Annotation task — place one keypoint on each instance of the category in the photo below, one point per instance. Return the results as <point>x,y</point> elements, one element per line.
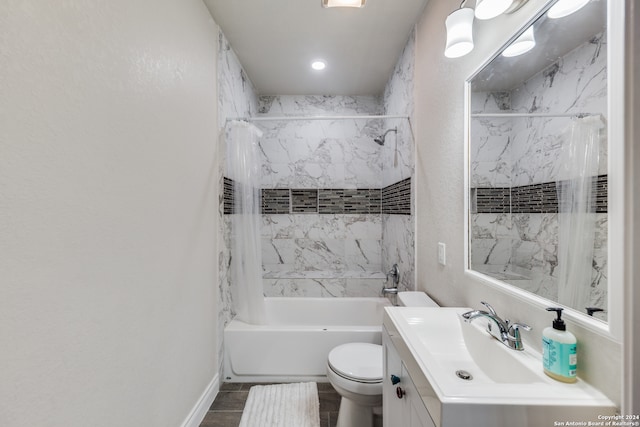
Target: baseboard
<point>201,407</point>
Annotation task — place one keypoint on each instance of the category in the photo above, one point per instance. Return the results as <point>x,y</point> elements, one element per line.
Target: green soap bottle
<point>559,358</point>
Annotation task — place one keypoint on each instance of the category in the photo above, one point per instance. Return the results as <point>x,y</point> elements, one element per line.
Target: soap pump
<point>559,357</point>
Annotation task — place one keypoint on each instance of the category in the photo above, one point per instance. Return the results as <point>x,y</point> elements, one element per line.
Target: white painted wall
<point>439,111</point>
<point>108,211</point>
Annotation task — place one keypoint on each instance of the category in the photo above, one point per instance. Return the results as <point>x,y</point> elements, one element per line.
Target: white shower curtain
<point>576,211</point>
<point>244,168</point>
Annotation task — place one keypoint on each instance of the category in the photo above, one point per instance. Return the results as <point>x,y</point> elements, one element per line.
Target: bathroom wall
<point>518,243</point>
<point>108,212</point>
<point>398,231</point>
<point>439,126</point>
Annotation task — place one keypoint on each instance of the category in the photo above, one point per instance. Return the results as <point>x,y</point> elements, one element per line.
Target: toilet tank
<point>415,299</point>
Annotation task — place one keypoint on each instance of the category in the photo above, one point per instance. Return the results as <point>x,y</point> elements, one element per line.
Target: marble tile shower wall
<point>330,254</point>
<point>520,154</point>
<point>398,231</point>
<point>318,249</point>
<point>236,98</point>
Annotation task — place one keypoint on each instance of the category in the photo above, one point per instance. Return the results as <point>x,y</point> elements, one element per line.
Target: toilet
<point>355,371</point>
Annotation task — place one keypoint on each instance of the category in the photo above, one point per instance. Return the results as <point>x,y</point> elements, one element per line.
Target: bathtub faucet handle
<point>395,274</point>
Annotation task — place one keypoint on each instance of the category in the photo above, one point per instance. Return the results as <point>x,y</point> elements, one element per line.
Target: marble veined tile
<point>362,226</point>
<point>327,254</point>
<point>398,247</point>
<point>363,255</point>
<point>364,287</point>
<point>304,287</point>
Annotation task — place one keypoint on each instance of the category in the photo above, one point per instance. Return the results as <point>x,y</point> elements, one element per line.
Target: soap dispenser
<point>559,357</point>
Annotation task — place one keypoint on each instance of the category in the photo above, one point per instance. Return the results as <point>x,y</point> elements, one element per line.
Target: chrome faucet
<point>395,274</point>
<point>507,333</point>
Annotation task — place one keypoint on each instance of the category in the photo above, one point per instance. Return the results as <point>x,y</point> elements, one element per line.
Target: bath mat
<point>282,405</point>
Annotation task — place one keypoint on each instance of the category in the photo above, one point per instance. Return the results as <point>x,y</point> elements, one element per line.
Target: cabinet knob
<point>395,379</point>
<point>400,392</point>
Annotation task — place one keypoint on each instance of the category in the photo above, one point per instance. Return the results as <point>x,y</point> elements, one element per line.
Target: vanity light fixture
<point>460,23</point>
<point>343,3</point>
<point>565,7</point>
<point>521,45</point>
<point>459,32</point>
<point>318,65</point>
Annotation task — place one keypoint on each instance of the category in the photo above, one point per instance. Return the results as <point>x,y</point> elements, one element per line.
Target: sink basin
<point>490,362</point>
<point>439,343</point>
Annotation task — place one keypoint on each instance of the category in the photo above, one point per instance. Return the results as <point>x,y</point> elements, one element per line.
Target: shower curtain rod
<point>285,118</point>
<point>578,115</point>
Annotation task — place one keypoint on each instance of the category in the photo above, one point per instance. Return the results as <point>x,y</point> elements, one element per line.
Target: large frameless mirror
<point>537,161</point>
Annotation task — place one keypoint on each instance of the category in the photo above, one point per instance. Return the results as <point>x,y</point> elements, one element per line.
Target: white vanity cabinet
<point>402,406</point>
<point>452,373</point>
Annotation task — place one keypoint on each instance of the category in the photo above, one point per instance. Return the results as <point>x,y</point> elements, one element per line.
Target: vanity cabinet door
<point>393,408</point>
<point>418,416</point>
<point>402,406</point>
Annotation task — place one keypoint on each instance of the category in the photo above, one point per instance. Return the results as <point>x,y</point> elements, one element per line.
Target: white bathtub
<point>300,332</point>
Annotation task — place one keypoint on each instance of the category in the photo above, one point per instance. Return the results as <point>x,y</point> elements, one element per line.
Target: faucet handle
<point>514,335</point>
<point>491,310</point>
<point>516,327</point>
<point>395,273</point>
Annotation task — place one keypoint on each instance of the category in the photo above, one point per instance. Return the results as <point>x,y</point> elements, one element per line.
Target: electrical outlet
<point>442,254</point>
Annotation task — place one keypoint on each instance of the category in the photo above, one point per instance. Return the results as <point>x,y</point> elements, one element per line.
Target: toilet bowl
<point>355,371</point>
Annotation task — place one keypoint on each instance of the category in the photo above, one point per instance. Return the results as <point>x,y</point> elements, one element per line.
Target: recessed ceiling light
<point>343,3</point>
<point>318,65</point>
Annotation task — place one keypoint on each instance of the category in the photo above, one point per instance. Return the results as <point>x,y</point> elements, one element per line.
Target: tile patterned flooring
<point>226,409</point>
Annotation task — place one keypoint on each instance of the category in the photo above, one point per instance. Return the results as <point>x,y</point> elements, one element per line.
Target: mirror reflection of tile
<point>515,171</point>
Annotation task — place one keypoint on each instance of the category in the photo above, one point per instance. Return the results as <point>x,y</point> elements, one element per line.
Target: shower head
<point>380,139</point>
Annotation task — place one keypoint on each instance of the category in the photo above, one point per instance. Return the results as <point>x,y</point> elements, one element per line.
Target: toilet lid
<point>358,361</point>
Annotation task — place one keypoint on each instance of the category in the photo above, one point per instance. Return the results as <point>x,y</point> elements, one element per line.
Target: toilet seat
<point>359,362</point>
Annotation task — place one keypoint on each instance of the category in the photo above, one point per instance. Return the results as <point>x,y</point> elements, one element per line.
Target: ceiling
<point>276,41</point>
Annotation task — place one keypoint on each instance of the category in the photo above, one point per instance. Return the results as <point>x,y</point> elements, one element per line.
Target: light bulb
<point>487,9</point>
<point>521,45</point>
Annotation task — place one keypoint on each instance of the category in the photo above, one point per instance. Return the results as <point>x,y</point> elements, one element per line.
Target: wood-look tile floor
<point>226,409</point>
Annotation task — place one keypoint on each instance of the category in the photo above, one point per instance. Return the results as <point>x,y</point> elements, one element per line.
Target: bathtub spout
<point>389,291</point>
<point>391,294</point>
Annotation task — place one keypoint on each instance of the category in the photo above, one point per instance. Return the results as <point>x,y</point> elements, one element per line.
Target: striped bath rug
<point>282,405</point>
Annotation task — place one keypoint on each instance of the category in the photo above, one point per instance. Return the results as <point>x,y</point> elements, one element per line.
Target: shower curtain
<point>244,168</point>
<point>576,211</point>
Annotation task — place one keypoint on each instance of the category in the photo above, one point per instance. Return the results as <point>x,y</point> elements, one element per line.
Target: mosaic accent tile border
<point>227,194</point>
<point>330,201</point>
<point>394,199</point>
<point>304,201</point>
<point>602,187</point>
<point>276,201</point>
<point>537,198</point>
<point>363,201</point>
<point>492,200</point>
